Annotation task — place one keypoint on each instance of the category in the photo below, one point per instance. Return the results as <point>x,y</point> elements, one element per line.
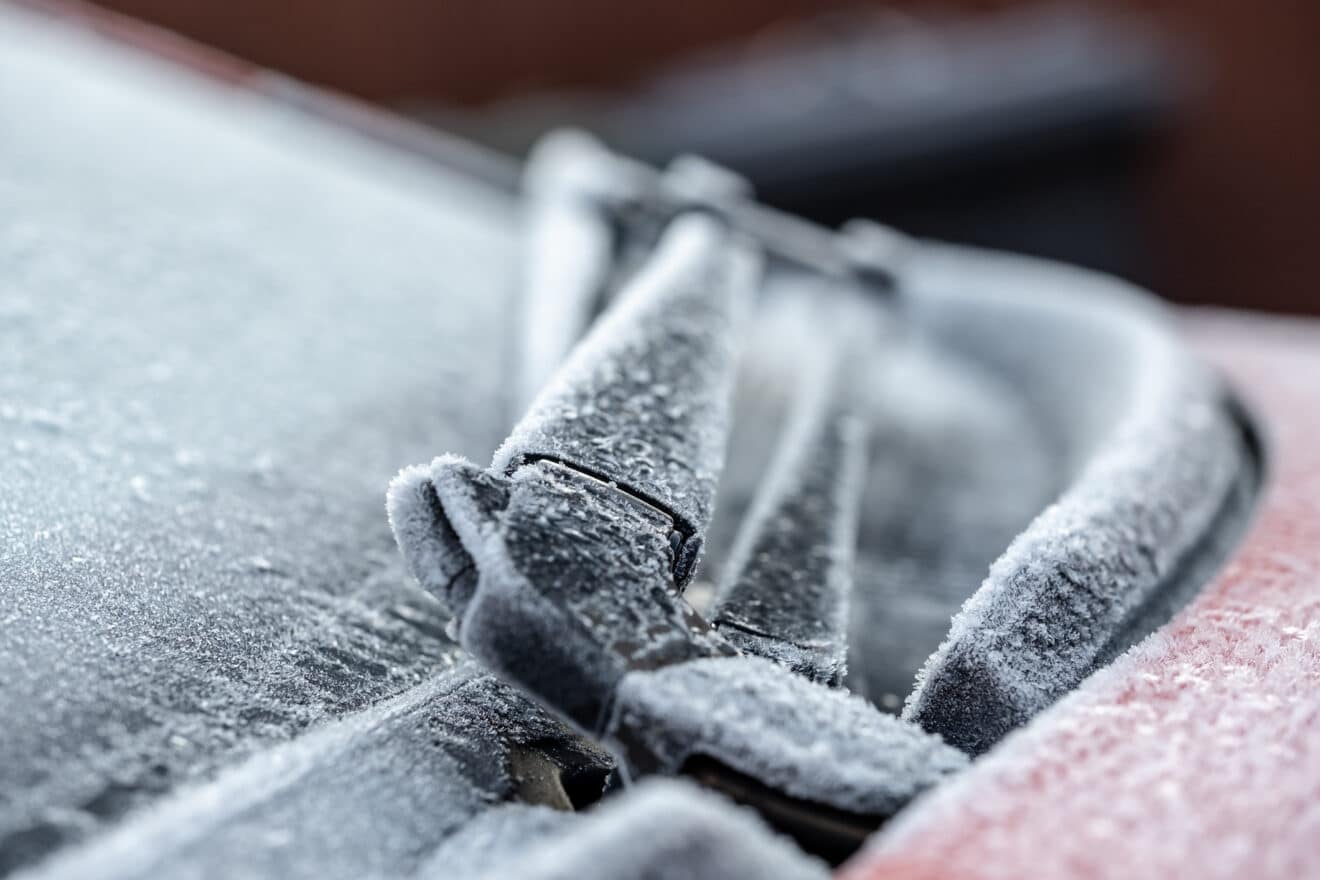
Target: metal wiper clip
<point>564,562</point>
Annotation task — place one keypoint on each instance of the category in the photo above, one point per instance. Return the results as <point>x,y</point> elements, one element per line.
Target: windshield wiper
<point>564,562</point>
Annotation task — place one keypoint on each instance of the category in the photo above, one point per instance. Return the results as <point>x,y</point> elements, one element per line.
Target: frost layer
<point>815,743</point>
<point>222,329</point>
<point>644,400</point>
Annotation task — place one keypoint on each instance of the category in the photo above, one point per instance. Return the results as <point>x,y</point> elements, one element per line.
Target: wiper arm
<point>564,563</point>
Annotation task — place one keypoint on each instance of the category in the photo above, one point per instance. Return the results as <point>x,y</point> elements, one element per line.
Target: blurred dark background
<point>1170,141</point>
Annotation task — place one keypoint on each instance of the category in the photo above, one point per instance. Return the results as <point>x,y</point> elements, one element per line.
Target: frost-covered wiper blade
<point>785,592</point>
<point>565,561</point>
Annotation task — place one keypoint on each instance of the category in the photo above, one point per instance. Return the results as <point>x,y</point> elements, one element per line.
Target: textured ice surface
<point>370,795</point>
<point>664,830</point>
<point>222,328</point>
<point>644,399</point>
<point>575,586</point>
<point>812,742</point>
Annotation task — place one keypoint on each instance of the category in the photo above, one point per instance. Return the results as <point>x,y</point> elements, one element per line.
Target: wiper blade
<point>587,526</point>
<point>564,563</point>
<point>785,592</point>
